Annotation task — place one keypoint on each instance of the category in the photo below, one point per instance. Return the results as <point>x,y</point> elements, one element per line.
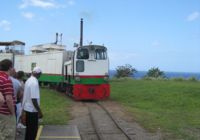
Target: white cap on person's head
<point>37,70</point>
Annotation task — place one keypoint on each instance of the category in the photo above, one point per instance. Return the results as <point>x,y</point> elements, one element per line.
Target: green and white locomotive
<point>87,73</point>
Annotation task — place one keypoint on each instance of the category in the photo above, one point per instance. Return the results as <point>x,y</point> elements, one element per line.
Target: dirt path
<point>81,118</point>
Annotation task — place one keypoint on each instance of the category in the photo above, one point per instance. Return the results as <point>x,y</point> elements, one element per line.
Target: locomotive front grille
<point>91,90</point>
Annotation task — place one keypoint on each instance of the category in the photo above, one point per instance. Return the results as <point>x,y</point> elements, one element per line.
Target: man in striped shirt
<point>7,110</point>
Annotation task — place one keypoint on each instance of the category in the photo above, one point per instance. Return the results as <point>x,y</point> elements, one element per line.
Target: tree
<point>125,71</point>
<point>155,73</point>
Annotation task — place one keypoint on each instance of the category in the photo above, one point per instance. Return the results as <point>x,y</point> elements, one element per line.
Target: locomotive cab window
<point>79,66</point>
<point>82,54</point>
<point>100,54</point>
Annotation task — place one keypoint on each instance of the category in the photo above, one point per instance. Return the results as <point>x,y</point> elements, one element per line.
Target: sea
<point>141,74</point>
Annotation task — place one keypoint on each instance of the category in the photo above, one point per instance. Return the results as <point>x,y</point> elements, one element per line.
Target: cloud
<point>87,15</point>
<point>193,16</point>
<point>38,3</point>
<point>28,15</point>
<point>5,25</point>
<point>71,2</point>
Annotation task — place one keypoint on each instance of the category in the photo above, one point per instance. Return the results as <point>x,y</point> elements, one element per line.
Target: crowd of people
<point>19,102</point>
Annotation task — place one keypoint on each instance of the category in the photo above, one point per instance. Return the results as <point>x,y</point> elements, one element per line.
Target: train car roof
<point>91,47</point>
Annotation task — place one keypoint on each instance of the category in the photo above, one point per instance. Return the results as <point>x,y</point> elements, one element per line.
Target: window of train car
<point>83,54</point>
<point>80,66</point>
<point>100,54</point>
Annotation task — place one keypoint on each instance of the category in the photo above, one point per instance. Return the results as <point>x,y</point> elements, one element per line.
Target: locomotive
<point>86,73</point>
<point>82,73</point>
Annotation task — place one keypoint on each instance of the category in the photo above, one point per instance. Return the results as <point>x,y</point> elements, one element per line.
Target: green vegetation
<point>54,106</point>
<point>155,73</point>
<point>172,106</point>
<point>192,79</point>
<point>125,71</point>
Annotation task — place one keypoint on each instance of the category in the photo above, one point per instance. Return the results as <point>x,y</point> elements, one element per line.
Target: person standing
<point>17,89</point>
<point>19,76</point>
<point>31,102</point>
<point>7,110</point>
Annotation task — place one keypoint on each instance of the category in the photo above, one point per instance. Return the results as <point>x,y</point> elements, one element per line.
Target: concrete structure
<point>55,132</point>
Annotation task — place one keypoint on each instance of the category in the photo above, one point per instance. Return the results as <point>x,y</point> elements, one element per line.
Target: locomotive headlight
<point>77,78</point>
<point>106,77</point>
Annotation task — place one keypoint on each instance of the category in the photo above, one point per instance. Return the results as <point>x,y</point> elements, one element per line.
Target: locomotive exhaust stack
<point>81,33</point>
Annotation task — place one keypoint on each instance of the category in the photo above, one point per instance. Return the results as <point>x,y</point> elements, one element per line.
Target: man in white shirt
<point>31,102</point>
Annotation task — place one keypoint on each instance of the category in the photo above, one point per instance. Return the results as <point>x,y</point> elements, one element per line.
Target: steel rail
<point>116,123</point>
<point>98,133</point>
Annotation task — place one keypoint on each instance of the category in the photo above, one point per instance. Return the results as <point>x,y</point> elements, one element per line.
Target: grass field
<point>172,106</point>
<point>54,106</point>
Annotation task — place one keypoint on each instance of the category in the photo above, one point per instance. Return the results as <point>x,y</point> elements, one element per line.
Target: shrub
<point>178,79</point>
<point>193,79</point>
<point>125,71</point>
<point>155,73</point>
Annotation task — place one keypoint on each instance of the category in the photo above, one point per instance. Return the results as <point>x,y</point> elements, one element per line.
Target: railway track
<point>96,130</point>
<point>104,124</point>
<point>116,123</point>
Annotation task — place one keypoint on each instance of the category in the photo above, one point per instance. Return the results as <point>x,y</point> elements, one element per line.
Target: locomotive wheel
<point>69,90</point>
<point>61,87</point>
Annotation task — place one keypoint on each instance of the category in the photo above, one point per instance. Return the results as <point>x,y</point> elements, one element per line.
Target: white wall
<point>50,63</point>
<point>5,56</point>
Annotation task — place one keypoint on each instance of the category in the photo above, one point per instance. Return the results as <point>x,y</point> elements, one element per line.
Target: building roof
<point>12,43</point>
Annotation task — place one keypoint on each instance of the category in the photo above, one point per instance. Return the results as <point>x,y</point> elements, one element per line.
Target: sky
<point>142,33</point>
